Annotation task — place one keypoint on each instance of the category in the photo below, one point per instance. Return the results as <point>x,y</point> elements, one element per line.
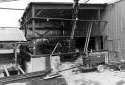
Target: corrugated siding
<point>115,30</point>
<point>11,35</point>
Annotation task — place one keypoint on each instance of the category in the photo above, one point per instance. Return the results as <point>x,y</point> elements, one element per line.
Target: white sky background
<point>9,18</point>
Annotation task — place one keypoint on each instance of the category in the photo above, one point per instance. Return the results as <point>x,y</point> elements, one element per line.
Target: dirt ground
<point>107,77</point>
<point>93,78</point>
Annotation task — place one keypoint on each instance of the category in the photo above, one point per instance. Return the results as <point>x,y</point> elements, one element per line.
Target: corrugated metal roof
<point>11,35</point>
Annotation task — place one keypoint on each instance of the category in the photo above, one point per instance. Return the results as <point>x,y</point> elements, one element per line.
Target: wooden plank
<point>21,69</point>
<point>7,73</point>
<point>23,78</point>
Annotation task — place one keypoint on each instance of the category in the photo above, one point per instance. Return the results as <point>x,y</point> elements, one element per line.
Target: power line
<point>11,8</point>
<point>7,1</point>
<point>9,27</point>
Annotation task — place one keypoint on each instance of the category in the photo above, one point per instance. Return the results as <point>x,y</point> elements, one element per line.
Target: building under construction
<point>46,24</point>
<point>69,30</point>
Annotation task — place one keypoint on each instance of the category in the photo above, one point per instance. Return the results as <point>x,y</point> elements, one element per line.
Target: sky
<point>9,18</point>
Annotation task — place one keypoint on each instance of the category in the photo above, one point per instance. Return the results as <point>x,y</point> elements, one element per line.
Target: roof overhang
<point>59,5</point>
<point>50,5</point>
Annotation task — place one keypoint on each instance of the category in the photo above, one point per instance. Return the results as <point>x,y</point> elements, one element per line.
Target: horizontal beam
<point>47,55</point>
<point>57,37</point>
<point>50,5</point>
<point>66,6</point>
<point>58,19</point>
<point>12,42</point>
<point>55,54</point>
<point>64,19</point>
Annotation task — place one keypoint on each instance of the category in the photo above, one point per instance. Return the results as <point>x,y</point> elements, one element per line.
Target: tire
<point>100,68</point>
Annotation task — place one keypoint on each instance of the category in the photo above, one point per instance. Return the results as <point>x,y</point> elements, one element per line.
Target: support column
<point>25,32</point>
<point>15,53</point>
<point>33,30</point>
<point>97,43</point>
<point>99,14</point>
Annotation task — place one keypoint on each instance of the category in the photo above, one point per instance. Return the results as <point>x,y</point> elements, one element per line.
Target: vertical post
<point>33,29</point>
<point>97,39</point>
<point>74,24</point>
<point>15,53</point>
<point>25,26</point>
<point>99,14</point>
<point>7,73</point>
<point>51,58</point>
<point>97,43</point>
<point>99,18</point>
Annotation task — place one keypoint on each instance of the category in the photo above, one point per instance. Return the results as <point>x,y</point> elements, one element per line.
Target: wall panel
<point>115,15</point>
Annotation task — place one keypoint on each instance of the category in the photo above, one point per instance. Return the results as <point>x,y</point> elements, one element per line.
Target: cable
<point>9,27</point>
<point>11,8</point>
<point>7,1</point>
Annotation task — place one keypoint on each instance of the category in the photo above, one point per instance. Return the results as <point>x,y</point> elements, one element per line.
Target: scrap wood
<point>24,77</point>
<point>52,76</point>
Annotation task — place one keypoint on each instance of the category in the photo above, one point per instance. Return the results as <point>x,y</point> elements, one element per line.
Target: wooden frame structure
<point>35,10</point>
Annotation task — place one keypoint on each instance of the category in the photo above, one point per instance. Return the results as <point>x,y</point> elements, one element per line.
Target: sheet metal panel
<point>115,29</point>
<point>11,35</point>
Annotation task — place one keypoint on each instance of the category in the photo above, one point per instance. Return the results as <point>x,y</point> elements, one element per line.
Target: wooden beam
<point>33,28</point>
<point>24,77</point>
<point>41,37</point>
<point>58,19</point>
<point>38,13</point>
<point>27,21</point>
<point>15,53</point>
<point>64,19</point>
<point>66,6</point>
<point>7,73</point>
<point>21,69</point>
<point>99,14</point>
